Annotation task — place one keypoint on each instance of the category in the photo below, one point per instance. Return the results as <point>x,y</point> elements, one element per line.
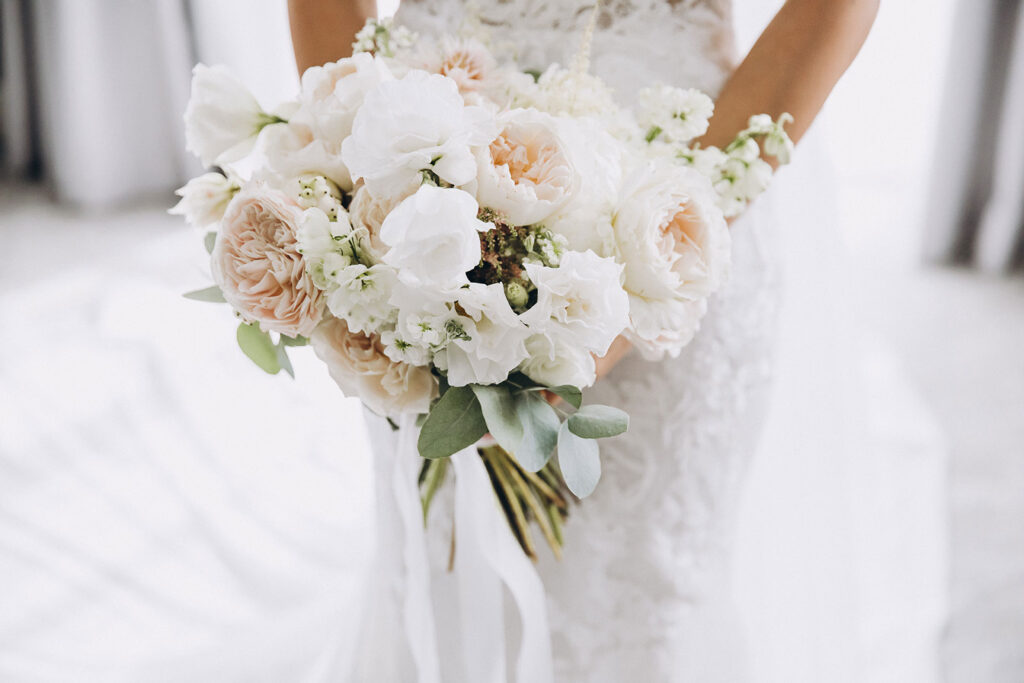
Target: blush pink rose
<point>257,264</point>
<point>357,363</point>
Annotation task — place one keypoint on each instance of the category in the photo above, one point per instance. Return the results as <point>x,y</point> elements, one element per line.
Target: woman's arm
<point>793,66</point>
<point>323,30</point>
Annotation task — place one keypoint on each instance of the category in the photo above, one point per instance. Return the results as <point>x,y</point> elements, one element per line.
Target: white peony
<point>553,361</point>
<point>332,94</point>
<point>434,237</point>
<point>493,343</point>
<point>580,300</point>
<point>204,199</point>
<point>411,125</point>
<point>675,245</point>
<point>525,173</point>
<point>222,118</point>
<point>466,61</point>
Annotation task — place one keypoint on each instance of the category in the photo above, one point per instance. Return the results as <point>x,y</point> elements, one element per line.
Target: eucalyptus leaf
<point>294,341</point>
<point>209,240</point>
<point>570,394</point>
<point>499,411</point>
<point>455,422</point>
<point>580,462</point>
<point>257,345</point>
<point>540,430</point>
<point>598,422</point>
<point>282,358</point>
<point>211,294</point>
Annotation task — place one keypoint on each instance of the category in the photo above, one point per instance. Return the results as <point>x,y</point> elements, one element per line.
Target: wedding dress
<point>643,590</point>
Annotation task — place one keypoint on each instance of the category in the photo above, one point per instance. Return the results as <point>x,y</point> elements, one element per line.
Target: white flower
<point>222,117</point>
<point>204,199</point>
<point>367,213</point>
<point>411,125</point>
<point>673,240</point>
<point>358,364</point>
<point>319,192</point>
<point>568,92</point>
<point>493,343</point>
<point>554,361</point>
<point>464,60</point>
<point>434,237</point>
<point>675,114</point>
<point>326,246</point>
<point>580,299</point>
<point>332,94</point>
<point>286,151</point>
<point>525,173</point>
<point>362,297</point>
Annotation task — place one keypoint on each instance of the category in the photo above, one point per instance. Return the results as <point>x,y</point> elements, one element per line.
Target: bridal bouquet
<point>458,240</point>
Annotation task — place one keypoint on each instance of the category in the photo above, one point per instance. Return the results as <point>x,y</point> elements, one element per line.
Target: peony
<point>525,173</point>
<point>367,213</point>
<point>415,124</point>
<point>222,117</point>
<point>581,299</point>
<point>357,363</point>
<point>464,60</point>
<point>434,237</point>
<point>554,361</point>
<point>204,199</point>
<point>257,264</point>
<point>492,343</point>
<point>675,245</point>
<point>332,94</point>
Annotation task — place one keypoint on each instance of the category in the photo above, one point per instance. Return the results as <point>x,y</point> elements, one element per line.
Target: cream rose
<point>675,244</point>
<point>464,60</point>
<point>358,364</point>
<point>367,212</point>
<point>525,173</point>
<point>257,264</point>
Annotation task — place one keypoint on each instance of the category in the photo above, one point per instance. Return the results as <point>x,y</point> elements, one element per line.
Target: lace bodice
<point>642,591</point>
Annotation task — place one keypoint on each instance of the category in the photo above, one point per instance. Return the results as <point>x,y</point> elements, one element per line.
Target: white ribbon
<point>487,557</point>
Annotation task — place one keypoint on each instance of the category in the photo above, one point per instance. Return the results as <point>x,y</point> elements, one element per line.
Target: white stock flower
<point>581,300</point>
<point>222,117</point>
<point>362,297</point>
<point>414,124</point>
<point>677,114</point>
<point>553,361</point>
<point>332,94</point>
<point>204,199</point>
<point>326,246</point>
<point>675,245</point>
<point>494,341</point>
<point>525,173</point>
<point>434,237</point>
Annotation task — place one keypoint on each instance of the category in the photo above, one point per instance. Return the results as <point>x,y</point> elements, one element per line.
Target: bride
<point>642,592</point>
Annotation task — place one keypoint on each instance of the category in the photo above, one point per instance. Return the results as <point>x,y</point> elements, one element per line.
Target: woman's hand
<point>323,30</point>
<point>616,352</point>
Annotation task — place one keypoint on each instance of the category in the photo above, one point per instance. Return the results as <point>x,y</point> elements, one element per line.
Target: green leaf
<point>282,358</point>
<point>257,345</point>
<point>499,411</point>
<point>520,381</point>
<point>540,430</point>
<point>294,341</point>
<point>209,240</point>
<point>598,422</point>
<point>211,294</point>
<point>570,394</point>
<point>455,422</point>
<point>580,462</point>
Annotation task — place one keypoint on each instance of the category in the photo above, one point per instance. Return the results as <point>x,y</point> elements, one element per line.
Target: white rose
<point>414,124</point>
<point>675,245</point>
<point>581,300</point>
<point>222,117</point>
<point>434,236</point>
<point>553,361</point>
<point>494,341</point>
<point>525,173</point>
<point>204,199</point>
<point>357,363</point>
<point>332,94</point>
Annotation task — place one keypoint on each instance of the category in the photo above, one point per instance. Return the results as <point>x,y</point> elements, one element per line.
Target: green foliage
<point>256,344</point>
<point>598,422</point>
<point>579,460</point>
<point>498,407</point>
<point>455,422</point>
<point>210,294</point>
<point>540,430</point>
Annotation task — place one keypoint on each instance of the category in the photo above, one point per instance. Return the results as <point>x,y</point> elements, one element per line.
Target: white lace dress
<point>642,592</point>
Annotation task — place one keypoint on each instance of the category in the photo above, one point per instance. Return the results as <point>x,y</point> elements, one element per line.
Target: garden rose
<point>257,264</point>
<point>358,364</point>
<point>367,213</point>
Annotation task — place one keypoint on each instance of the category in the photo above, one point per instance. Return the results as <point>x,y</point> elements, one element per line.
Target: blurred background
<point>143,516</point>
